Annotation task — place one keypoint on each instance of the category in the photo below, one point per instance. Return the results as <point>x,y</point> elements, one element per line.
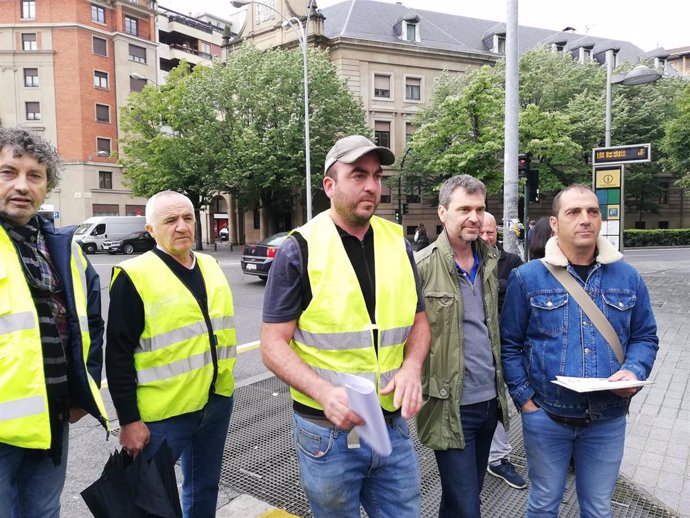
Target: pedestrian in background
<point>421,239</point>
<point>542,320</point>
<point>343,297</point>
<point>464,390</point>
<point>51,333</point>
<point>541,233</point>
<point>499,454</point>
<point>171,352</point>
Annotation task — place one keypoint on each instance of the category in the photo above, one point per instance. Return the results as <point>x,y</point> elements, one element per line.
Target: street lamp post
<point>292,23</point>
<point>639,75</point>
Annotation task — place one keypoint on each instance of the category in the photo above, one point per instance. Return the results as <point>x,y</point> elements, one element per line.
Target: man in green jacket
<point>462,378</point>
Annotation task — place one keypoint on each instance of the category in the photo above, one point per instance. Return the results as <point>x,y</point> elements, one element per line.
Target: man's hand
<point>337,408</point>
<point>76,413</point>
<point>134,437</point>
<point>407,384</point>
<point>529,407</point>
<point>624,375</point>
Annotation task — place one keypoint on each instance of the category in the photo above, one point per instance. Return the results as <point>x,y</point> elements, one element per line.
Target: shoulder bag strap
<point>589,307</point>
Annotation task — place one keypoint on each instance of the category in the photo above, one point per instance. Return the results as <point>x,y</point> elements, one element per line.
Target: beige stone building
<point>391,56</point>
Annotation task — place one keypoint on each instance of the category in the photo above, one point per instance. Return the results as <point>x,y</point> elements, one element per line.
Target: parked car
<point>224,234</point>
<point>257,259</point>
<point>140,241</point>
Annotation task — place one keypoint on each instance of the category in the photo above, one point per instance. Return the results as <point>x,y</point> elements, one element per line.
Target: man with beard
<point>343,297</point>
<point>462,377</point>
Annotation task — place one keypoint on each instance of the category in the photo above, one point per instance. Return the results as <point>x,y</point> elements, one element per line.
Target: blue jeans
<point>336,479</point>
<point>597,450</point>
<point>198,438</point>
<point>30,483</point>
<point>462,470</point>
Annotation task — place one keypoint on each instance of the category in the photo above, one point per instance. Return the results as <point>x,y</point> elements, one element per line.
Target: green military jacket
<point>438,422</point>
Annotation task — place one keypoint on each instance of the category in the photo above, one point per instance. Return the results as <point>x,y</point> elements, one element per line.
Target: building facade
<point>67,67</point>
<point>391,56</point>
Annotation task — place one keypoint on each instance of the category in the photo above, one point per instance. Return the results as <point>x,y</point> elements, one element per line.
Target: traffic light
<point>532,185</point>
<point>524,160</point>
<point>397,216</point>
<point>406,208</point>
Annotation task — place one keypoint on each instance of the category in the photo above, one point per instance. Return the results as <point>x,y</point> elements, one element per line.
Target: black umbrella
<point>135,488</point>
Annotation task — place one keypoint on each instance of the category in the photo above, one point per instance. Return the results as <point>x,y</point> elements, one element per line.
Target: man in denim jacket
<point>545,333</point>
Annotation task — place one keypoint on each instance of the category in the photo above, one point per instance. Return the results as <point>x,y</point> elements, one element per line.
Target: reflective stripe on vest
<point>352,340</point>
<point>174,361</point>
<point>334,333</point>
<point>183,333</point>
<point>17,322</point>
<point>21,408</point>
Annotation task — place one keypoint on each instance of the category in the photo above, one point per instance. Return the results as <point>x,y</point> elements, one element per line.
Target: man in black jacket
<point>499,461</point>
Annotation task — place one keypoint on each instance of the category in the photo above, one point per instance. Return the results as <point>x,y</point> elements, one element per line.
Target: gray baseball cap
<point>350,149</point>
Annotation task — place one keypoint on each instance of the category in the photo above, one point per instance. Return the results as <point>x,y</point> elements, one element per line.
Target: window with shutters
<point>31,77</point>
<point>102,113</point>
<point>382,86</point>
<point>103,145</point>
<point>100,46</point>
<point>33,111</point>
<point>413,88</point>
<point>137,53</point>
<point>100,79</point>
<point>382,133</point>
<point>29,41</point>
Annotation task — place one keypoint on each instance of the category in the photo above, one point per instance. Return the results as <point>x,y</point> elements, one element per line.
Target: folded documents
<point>594,384</point>
<point>363,399</point>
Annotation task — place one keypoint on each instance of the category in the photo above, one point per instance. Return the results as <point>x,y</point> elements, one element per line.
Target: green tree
<point>461,131</point>
<point>168,142</point>
<point>263,116</point>
<point>676,141</point>
<point>237,126</point>
<point>562,106</point>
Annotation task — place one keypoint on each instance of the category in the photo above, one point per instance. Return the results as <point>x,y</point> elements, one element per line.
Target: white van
<point>91,234</point>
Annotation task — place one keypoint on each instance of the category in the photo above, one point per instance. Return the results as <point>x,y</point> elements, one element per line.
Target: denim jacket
<point>545,333</point>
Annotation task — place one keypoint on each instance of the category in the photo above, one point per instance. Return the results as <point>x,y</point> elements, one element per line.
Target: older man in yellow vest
<point>51,333</point>
<point>343,297</point>
<point>171,352</point>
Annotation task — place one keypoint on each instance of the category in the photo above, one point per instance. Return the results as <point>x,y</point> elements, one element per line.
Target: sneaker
<point>506,472</point>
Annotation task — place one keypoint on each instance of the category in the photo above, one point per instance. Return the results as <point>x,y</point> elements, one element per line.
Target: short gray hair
<point>22,142</point>
<point>151,203</point>
<point>467,183</point>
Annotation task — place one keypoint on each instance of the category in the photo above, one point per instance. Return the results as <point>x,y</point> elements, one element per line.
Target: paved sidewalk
<point>259,468</point>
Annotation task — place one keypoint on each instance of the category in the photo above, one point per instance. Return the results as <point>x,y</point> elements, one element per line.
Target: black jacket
<point>506,263</point>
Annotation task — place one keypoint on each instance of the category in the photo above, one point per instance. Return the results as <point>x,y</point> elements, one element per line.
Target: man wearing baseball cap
<point>343,296</point>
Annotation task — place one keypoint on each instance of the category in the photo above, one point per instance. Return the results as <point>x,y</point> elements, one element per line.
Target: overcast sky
<point>647,23</point>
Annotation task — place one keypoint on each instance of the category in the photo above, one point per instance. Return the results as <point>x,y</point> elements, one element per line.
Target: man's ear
<point>149,228</point>
<point>553,221</point>
<point>329,186</point>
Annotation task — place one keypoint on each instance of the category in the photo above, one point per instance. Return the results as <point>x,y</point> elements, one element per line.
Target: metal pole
<point>307,150</point>
<point>609,78</point>
<point>510,155</point>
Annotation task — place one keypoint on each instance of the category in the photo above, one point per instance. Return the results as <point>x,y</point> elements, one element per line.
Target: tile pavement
<point>657,453</point>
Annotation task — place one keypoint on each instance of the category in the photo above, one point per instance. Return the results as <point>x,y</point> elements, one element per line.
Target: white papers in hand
<point>595,384</point>
<point>363,399</point>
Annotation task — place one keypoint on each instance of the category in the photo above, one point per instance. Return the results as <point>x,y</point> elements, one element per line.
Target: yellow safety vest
<point>173,360</point>
<point>334,333</point>
<point>24,418</point>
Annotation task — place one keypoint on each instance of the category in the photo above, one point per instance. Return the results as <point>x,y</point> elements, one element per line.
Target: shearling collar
<point>606,252</point>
